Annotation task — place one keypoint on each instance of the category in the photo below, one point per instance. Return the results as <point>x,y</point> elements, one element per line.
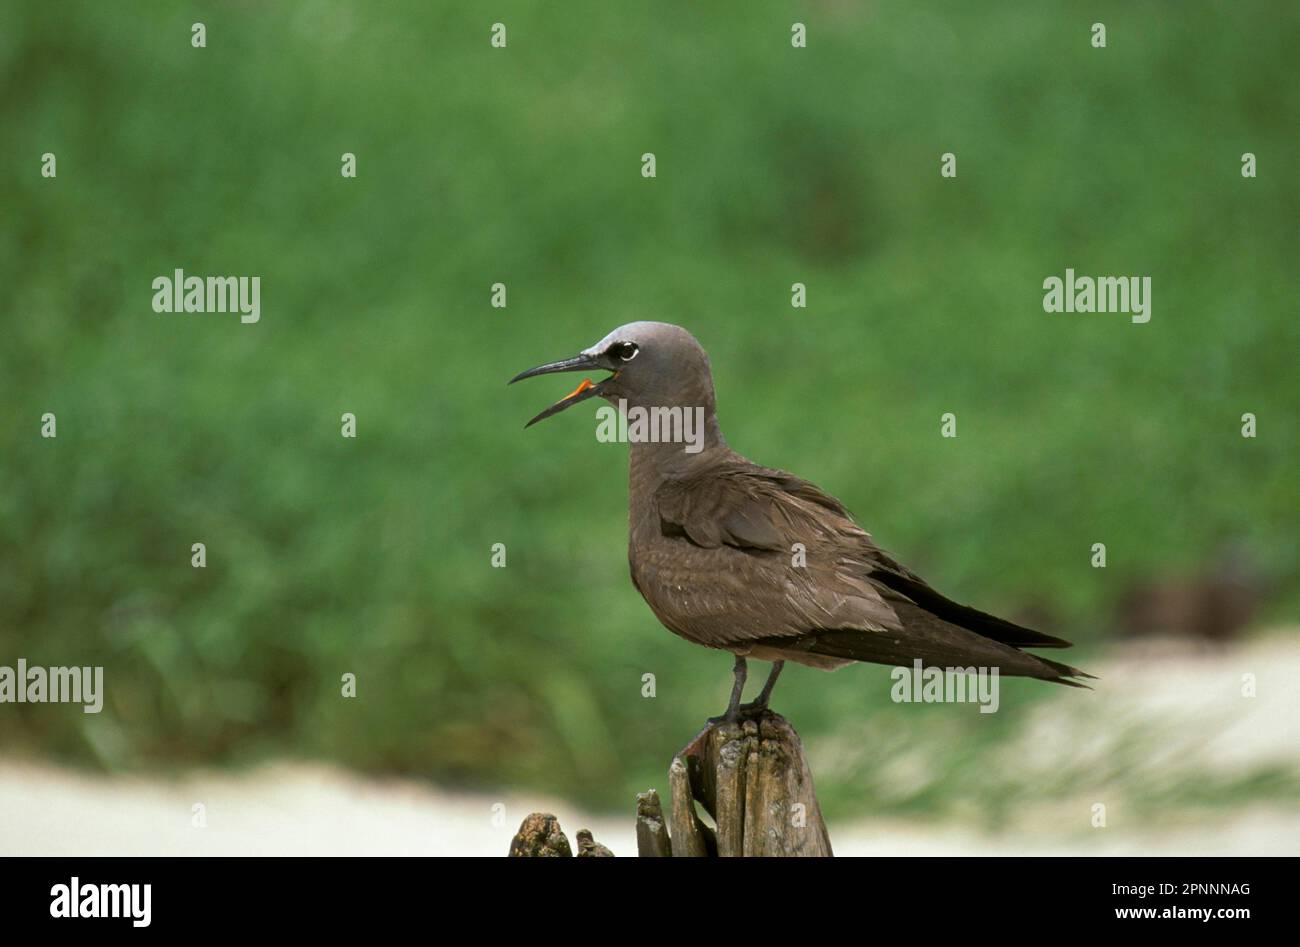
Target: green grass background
<point>522,165</point>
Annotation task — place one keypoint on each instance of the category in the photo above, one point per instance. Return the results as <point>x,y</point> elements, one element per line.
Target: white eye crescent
<point>626,351</point>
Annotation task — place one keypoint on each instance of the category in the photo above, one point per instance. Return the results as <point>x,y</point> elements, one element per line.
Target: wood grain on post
<point>651,833</point>
<point>690,837</point>
<point>751,778</point>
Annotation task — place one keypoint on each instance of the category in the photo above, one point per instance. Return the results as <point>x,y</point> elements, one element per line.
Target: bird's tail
<point>938,645</point>
<point>1062,673</point>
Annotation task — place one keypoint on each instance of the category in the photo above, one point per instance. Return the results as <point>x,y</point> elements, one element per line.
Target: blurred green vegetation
<point>522,165</point>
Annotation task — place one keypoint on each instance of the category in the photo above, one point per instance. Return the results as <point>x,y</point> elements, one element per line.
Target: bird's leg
<point>766,692</point>
<point>760,702</point>
<point>741,670</point>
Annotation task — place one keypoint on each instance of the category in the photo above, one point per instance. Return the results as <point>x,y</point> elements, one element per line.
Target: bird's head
<point>653,364</point>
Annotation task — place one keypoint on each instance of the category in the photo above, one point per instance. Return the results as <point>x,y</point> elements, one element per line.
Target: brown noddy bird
<point>712,542</point>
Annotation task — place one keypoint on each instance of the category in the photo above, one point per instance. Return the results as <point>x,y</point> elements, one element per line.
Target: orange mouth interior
<point>586,383</point>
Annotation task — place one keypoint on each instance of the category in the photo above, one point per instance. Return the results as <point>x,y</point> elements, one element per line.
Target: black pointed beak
<point>579,363</point>
<point>584,391</point>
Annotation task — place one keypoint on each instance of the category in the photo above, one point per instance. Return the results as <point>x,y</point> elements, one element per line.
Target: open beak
<point>584,391</point>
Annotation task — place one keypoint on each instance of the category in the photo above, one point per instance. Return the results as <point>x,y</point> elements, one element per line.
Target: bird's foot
<point>754,708</point>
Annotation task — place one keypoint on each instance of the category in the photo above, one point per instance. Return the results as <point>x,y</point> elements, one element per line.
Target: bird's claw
<point>752,709</point>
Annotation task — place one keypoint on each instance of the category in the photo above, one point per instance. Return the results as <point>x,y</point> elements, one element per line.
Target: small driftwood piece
<point>588,847</point>
<point>540,836</point>
<point>751,778</point>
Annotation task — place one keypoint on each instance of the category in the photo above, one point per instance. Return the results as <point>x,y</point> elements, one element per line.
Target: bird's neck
<point>669,434</point>
<point>651,463</point>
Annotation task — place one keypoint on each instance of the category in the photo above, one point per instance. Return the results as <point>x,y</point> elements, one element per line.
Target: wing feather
<point>744,520</point>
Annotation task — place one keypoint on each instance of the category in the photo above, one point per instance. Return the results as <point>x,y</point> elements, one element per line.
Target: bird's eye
<point>624,350</point>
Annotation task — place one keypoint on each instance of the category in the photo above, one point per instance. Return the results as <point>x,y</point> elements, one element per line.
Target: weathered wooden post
<point>751,779</point>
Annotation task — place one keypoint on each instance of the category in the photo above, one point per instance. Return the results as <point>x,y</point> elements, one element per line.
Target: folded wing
<point>789,569</point>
